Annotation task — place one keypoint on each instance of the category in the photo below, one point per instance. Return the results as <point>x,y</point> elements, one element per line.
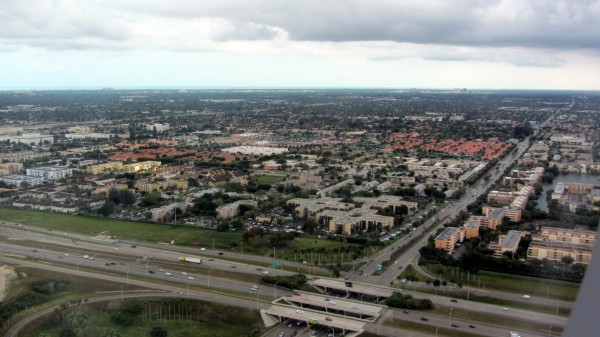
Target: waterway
<point>542,202</point>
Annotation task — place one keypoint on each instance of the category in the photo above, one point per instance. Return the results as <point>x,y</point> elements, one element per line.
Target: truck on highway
<point>191,259</point>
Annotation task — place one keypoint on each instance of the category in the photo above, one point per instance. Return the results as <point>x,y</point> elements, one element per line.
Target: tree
<point>158,331</point>
<point>109,332</point>
<point>79,322</point>
<point>567,259</point>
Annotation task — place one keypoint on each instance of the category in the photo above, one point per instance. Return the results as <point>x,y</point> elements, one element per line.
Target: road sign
<point>276,264</point>
<point>379,267</point>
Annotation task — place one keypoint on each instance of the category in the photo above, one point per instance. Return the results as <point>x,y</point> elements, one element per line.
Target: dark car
<point>424,319</point>
<point>220,253</point>
<point>454,325</point>
<point>405,311</point>
<point>151,271</point>
<point>453,300</point>
<point>471,326</point>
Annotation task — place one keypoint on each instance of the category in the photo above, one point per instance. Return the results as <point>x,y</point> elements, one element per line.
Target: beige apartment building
<point>354,221</point>
<point>308,208</point>
<point>141,166</point>
<point>555,251</point>
<point>387,202</point>
<point>492,216</point>
<point>507,243</point>
<point>447,239</point>
<point>105,167</point>
<point>555,243</point>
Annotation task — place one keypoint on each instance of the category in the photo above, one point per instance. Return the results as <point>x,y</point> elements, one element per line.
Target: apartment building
<point>556,251</point>
<point>566,235</point>
<point>105,167</point>
<point>555,243</point>
<point>448,238</point>
<point>492,216</point>
<point>233,209</point>
<point>354,221</point>
<point>10,168</point>
<point>387,202</point>
<point>305,208</point>
<point>507,243</point>
<point>141,166</point>
<point>18,180</point>
<point>166,211</point>
<point>50,173</point>
<point>306,180</point>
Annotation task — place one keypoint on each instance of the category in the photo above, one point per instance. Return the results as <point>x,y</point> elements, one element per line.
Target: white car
<point>300,312</point>
<point>202,248</point>
<point>168,275</point>
<point>526,296</point>
<point>505,309</point>
<point>265,272</point>
<point>190,278</point>
<point>184,273</point>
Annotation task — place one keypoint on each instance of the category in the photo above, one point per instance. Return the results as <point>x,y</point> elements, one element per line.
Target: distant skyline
<point>474,44</point>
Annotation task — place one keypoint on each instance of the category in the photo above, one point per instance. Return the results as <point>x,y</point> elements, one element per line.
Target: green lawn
<point>269,179</point>
<point>533,286</point>
<point>120,228</point>
<point>316,249</point>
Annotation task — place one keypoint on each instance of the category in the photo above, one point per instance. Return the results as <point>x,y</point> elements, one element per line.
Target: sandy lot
<point>7,274</point>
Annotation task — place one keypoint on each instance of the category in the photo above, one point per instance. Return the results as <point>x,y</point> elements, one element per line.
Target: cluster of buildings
<point>577,196</point>
<point>36,176</point>
<point>347,218</point>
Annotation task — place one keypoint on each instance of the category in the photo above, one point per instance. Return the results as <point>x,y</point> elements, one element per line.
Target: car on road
<point>526,297</point>
<point>234,266</point>
<point>454,325</point>
<point>160,270</point>
<point>300,312</point>
<point>295,293</point>
<point>505,309</point>
<point>151,271</point>
<point>365,274</point>
<point>513,334</point>
<point>332,302</point>
<point>202,248</point>
<point>471,326</point>
<point>328,318</point>
<point>190,278</point>
<point>184,273</point>
<point>424,319</point>
<point>405,311</point>
<point>354,307</point>
<point>168,275</point>
<point>220,253</point>
<point>265,272</point>
<point>453,300</point>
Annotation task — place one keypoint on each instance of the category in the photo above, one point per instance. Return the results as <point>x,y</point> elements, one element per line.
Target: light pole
<point>436,330</point>
<point>146,274</point>
<point>257,298</point>
<point>209,278</point>
<point>449,318</point>
<point>128,276</point>
<point>187,288</point>
<point>213,244</point>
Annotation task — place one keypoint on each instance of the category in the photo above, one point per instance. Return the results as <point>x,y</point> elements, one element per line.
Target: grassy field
<point>319,249</point>
<point>178,318</point>
<point>120,228</point>
<point>533,286</point>
<point>266,179</point>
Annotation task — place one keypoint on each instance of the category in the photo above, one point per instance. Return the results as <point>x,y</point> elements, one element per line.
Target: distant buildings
<point>256,150</point>
<point>50,173</point>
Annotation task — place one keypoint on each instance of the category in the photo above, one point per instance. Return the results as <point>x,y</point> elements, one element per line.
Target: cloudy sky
<point>526,44</point>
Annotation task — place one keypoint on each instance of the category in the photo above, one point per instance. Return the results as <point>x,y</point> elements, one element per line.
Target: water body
<point>542,203</point>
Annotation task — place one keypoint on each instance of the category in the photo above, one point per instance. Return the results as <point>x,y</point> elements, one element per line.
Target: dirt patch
<point>7,274</point>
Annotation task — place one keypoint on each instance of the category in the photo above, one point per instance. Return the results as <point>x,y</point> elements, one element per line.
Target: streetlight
<point>257,298</point>
<point>436,330</point>
<point>213,244</point>
<point>209,278</point>
<point>449,318</point>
